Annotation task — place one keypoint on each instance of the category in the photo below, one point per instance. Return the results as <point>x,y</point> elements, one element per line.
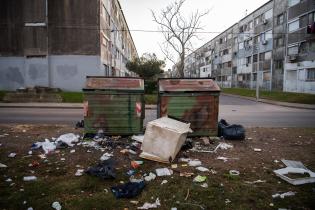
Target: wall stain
<point>67,71</point>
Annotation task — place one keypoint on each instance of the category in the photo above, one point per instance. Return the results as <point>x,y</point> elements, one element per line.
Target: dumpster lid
<point>189,84</point>
<point>114,83</point>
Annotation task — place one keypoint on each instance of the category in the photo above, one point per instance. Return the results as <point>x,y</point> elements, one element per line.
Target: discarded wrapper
<point>163,139</point>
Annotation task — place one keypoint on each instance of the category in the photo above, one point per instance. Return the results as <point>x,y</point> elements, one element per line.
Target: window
<point>235,40</point>
<point>268,14</point>
<point>266,76</point>
<point>268,35</point>
<point>280,19</point>
<point>250,25</point>
<point>229,36</point>
<point>268,55</point>
<point>221,40</point>
<point>294,50</point>
<point>257,21</point>
<point>261,56</point>
<point>256,40</point>
<point>230,64</point>
<point>248,60</point>
<point>294,25</point>
<point>255,58</point>
<point>226,51</point>
<point>310,74</point>
<point>262,37</point>
<point>293,2</point>
<point>241,46</point>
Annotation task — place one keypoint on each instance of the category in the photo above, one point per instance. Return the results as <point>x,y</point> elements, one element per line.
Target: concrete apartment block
<point>58,43</point>
<point>271,45</point>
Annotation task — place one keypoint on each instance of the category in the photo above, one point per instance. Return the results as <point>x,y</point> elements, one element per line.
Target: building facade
<point>273,45</point>
<point>58,43</point>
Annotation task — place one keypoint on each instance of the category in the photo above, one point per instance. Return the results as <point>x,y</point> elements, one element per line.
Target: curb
<point>278,103</point>
<point>52,105</point>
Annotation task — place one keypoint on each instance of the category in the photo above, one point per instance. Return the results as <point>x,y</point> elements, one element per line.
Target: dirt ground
<point>56,180</point>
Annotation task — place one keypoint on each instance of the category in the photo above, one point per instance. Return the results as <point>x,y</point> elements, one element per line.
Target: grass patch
<point>2,94</point>
<point>72,97</point>
<point>302,98</point>
<point>150,98</point>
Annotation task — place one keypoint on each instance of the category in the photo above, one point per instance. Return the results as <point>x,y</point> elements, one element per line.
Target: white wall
<point>67,72</point>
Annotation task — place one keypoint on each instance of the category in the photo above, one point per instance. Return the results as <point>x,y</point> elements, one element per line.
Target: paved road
<point>233,109</point>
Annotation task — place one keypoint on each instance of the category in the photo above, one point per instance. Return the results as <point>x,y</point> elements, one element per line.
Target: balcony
<point>301,8</point>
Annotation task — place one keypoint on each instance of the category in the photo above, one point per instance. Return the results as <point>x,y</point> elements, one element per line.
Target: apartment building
<point>58,43</point>
<point>273,45</point>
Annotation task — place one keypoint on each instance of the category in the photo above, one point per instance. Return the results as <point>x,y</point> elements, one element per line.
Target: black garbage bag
<point>230,132</point>
<point>188,144</point>
<point>128,190</point>
<point>104,170</point>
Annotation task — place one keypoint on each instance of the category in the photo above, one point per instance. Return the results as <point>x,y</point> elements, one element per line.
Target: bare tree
<point>178,31</point>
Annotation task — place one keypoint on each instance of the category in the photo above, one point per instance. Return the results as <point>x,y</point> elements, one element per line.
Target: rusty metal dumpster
<point>114,105</point>
<point>192,100</point>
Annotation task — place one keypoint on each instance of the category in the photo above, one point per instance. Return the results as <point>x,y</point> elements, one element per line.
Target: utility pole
<point>257,78</point>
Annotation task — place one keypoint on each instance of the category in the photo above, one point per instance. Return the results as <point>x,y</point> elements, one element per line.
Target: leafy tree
<point>147,66</point>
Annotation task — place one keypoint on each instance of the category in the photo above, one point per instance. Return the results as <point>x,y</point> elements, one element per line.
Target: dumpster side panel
<point>199,109</point>
<point>114,113</point>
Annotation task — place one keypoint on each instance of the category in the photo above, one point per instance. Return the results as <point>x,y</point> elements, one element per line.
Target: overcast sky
<point>223,14</point>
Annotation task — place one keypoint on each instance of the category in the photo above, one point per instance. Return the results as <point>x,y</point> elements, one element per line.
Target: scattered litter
<point>47,146</point>
<point>200,178</point>
<point>186,160</point>
<point>163,172</point>
<point>257,150</point>
<point>174,166</point>
<point>213,171</point>
<point>62,159</point>
<point>12,155</point>
<point>194,163</point>
<point>30,152</point>
<point>79,172</point>
<point>230,132</point>
<point>150,177</point>
<point>138,138</point>
<point>56,205</point>
<point>132,152</point>
<point>8,180</point>
<point>133,179</point>
<point>283,195</point>
<point>226,159</point>
<point>104,170</point>
<point>42,156</point>
<point>223,146</point>
<point>29,178</point>
<point>202,169</point>
<point>30,208</point>
<point>186,174</point>
<point>68,138</point>
<point>204,185</point>
<point>134,202</point>
<point>3,165</point>
<point>128,190</point>
<point>255,182</point>
<point>276,161</point>
<point>72,151</point>
<point>131,172</point>
<point>4,135</point>
<point>173,208</point>
<point>234,173</point>
<point>296,167</point>
<point>205,140</point>
<point>34,164</point>
<point>79,124</point>
<point>188,144</point>
<point>174,135</point>
<point>154,205</point>
<point>134,164</point>
<point>164,182</point>
<point>249,138</point>
<point>106,156</point>
<point>227,201</point>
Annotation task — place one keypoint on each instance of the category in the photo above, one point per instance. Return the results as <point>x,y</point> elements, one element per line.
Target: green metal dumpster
<point>114,105</point>
<point>191,100</point>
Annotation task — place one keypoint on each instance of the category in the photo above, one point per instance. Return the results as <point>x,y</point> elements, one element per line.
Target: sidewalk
<point>278,103</point>
<point>80,105</point>
<point>52,105</point>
